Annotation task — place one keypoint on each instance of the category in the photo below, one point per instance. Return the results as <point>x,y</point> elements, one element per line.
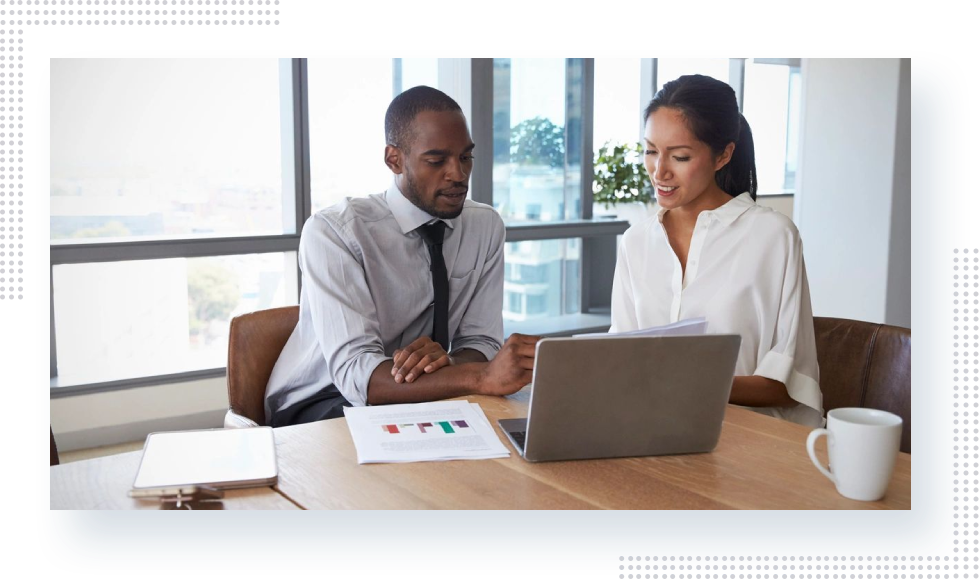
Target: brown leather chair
<point>256,339</point>
<point>865,365</point>
<point>54,449</point>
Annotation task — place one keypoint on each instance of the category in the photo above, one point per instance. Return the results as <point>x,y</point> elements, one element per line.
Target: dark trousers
<point>324,405</point>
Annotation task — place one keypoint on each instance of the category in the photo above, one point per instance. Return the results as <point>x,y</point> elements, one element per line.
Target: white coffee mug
<point>863,445</point>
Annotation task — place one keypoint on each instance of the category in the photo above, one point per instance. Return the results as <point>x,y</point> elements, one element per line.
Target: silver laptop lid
<point>629,396</point>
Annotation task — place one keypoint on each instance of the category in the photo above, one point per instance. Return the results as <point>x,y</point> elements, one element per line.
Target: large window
<point>541,110</point>
<point>348,98</point>
<point>536,139</point>
<point>174,199</point>
<point>179,187</point>
<point>178,191</point>
<point>164,149</point>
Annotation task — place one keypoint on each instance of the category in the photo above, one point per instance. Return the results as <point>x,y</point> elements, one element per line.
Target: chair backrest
<point>865,365</point>
<point>54,449</point>
<point>255,342</point>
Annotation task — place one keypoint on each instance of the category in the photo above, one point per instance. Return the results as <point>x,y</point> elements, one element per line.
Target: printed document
<point>697,326</point>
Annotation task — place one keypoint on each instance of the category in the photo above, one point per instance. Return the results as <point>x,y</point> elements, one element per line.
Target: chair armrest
<point>233,420</point>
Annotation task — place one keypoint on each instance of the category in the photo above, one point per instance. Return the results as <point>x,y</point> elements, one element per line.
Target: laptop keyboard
<point>520,438</point>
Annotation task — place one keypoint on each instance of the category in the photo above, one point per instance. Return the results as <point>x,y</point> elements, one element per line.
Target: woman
<point>712,252</point>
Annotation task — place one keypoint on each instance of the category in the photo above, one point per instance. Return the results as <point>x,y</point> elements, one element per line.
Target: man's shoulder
<point>348,213</point>
<point>352,210</point>
<point>478,214</point>
<point>345,222</point>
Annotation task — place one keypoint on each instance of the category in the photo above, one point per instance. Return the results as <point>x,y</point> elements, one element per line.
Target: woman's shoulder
<point>765,221</point>
<point>642,228</point>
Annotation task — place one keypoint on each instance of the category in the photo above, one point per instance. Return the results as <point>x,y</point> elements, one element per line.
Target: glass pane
<point>792,139</point>
<point>118,320</point>
<point>766,107</point>
<point>542,279</point>
<point>170,148</point>
<point>669,69</point>
<point>415,72</point>
<point>536,138</point>
<point>618,112</point>
<point>347,102</point>
<point>618,119</point>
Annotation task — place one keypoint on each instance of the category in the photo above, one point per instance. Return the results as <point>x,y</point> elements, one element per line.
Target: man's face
<point>434,171</point>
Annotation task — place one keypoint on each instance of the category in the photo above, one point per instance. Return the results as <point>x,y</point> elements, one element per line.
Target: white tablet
<point>222,458</point>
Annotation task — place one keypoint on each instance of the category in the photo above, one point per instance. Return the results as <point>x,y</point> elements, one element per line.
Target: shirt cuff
<point>489,350</point>
<point>355,389</point>
<point>800,387</point>
<point>775,365</point>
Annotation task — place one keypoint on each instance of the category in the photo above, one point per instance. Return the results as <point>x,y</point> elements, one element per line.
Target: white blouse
<point>746,275</point>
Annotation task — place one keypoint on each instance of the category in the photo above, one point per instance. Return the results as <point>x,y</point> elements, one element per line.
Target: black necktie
<point>433,235</point>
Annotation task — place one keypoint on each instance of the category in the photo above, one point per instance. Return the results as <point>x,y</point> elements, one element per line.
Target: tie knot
<point>432,234</point>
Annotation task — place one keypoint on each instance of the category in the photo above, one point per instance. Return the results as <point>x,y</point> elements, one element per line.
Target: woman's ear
<point>724,157</point>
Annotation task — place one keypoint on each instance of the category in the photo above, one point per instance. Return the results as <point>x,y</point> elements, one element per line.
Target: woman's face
<point>680,167</point>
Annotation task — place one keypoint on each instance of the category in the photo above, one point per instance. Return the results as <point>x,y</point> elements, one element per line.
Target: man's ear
<point>394,159</point>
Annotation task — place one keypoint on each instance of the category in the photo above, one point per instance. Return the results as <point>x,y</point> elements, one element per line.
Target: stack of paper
<point>418,432</point>
<point>697,326</point>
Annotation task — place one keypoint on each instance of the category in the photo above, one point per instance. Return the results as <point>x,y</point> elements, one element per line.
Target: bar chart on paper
<point>430,428</point>
<point>445,430</point>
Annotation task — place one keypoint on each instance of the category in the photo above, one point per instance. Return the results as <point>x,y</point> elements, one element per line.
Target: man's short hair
<point>403,109</point>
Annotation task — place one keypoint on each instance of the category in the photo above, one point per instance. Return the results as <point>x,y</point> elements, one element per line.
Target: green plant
<point>537,141</point>
<point>212,293</point>
<point>620,176</point>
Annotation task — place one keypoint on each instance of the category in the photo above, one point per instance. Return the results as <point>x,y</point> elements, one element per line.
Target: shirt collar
<point>408,215</point>
<point>727,213</point>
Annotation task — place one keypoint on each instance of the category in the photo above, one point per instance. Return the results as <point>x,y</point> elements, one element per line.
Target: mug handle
<point>811,447</point>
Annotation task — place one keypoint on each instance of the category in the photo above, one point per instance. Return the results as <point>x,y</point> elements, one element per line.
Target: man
<point>402,293</point>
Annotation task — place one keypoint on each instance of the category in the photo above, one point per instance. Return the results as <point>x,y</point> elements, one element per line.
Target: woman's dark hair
<point>710,109</point>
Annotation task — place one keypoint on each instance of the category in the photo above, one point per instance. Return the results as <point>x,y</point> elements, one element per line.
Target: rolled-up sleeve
<point>792,356</point>
<point>481,327</point>
<point>344,317</point>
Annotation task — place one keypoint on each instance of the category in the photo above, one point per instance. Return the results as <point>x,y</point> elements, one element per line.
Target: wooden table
<point>760,463</point>
<point>103,483</point>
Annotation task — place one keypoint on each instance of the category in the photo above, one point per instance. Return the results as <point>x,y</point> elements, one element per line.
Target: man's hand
<point>511,369</point>
<point>422,356</point>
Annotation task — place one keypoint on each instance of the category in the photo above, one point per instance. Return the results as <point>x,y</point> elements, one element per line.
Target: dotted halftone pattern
<point>11,163</point>
<point>142,12</point>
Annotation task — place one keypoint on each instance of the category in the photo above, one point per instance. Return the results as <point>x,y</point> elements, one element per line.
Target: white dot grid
<point>871,567</point>
<point>140,12</point>
<point>11,165</point>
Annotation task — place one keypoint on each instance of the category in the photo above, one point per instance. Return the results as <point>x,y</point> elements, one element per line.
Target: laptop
<point>614,397</point>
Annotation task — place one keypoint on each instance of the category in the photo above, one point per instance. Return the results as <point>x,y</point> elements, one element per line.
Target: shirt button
<point>693,263</point>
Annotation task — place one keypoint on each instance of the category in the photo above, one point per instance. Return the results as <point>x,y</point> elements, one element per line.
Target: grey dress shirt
<point>367,290</point>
